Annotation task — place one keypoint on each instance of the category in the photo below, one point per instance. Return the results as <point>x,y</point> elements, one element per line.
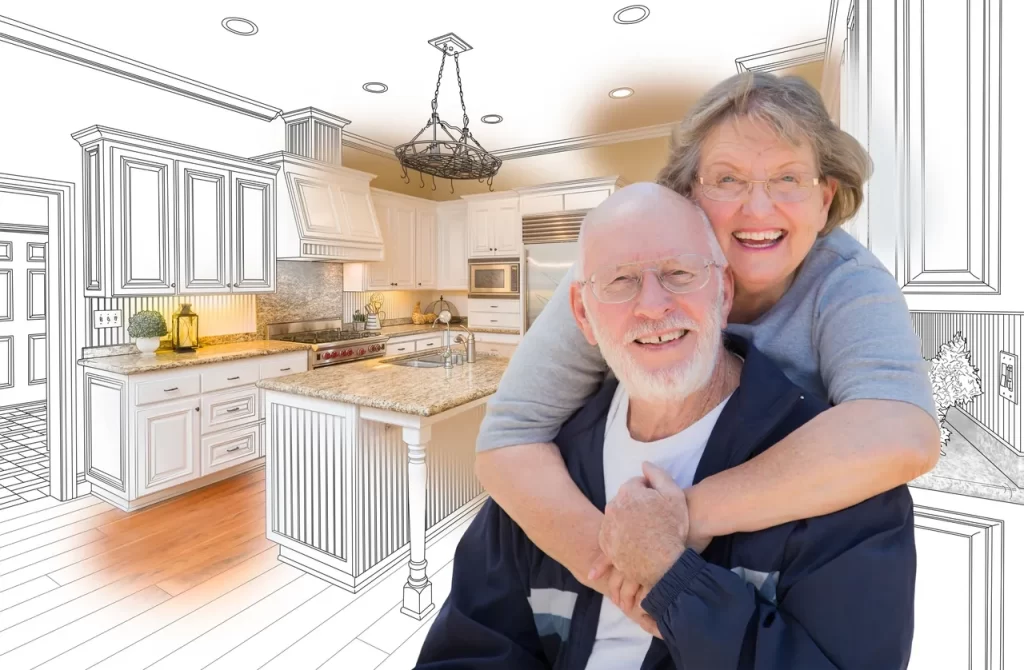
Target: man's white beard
<point>670,384</point>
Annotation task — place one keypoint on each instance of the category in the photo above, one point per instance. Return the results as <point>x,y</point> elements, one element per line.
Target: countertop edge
<point>367,401</point>
<point>158,365</point>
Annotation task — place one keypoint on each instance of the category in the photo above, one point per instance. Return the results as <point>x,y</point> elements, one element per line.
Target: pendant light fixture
<point>440,149</point>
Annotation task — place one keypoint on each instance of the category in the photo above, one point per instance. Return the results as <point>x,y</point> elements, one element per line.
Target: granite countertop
<point>413,329</point>
<point>132,364</point>
<point>381,384</point>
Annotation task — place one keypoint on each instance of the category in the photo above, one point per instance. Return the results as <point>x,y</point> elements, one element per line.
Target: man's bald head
<point>651,211</point>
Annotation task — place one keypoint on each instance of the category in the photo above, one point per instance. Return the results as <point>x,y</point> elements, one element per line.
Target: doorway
<point>38,341</point>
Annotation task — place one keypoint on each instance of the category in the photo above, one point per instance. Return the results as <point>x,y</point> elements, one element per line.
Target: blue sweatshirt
<point>834,591</point>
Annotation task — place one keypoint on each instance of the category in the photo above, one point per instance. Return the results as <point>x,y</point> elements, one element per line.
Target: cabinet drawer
<point>230,408</point>
<point>169,388</point>
<point>430,343</point>
<point>288,364</point>
<point>228,375</point>
<point>229,448</point>
<point>400,348</point>
<point>497,320</point>
<point>500,306</point>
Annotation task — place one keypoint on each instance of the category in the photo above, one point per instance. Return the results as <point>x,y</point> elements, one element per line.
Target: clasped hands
<point>646,529</point>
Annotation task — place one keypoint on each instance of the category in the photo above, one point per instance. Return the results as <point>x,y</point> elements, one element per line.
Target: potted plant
<point>147,327</point>
<point>955,381</point>
<point>359,320</point>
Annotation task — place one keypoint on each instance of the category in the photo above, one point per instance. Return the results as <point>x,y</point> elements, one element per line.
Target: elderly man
<point>835,591</point>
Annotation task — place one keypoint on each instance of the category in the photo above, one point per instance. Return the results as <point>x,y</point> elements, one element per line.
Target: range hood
<point>324,210</point>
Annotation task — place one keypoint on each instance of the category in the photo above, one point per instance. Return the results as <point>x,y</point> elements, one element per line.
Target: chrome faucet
<point>469,340</point>
<point>445,317</point>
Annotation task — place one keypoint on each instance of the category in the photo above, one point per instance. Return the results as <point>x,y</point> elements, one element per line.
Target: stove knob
<point>362,351</point>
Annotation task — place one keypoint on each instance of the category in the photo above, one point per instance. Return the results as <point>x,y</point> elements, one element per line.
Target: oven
<point>494,278</point>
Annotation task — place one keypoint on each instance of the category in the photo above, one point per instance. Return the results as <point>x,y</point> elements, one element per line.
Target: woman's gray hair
<point>792,108</point>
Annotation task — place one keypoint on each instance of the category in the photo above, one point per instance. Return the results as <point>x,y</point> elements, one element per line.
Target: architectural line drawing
<point>285,481</point>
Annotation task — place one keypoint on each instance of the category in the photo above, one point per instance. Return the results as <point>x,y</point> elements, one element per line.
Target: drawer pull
<point>171,389</point>
<point>233,449</point>
<point>401,348</point>
<point>494,321</point>
<point>234,409</point>
<point>494,307</point>
<point>284,369</point>
<point>231,379</point>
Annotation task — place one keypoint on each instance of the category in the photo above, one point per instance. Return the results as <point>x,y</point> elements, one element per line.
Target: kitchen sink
<point>431,361</point>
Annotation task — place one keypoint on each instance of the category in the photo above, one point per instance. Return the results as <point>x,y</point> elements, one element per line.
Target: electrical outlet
<point>106,318</point>
<point>1009,375</point>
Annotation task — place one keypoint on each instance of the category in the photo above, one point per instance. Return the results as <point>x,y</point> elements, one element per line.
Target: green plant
<point>955,382</point>
<point>147,323</point>
<point>358,316</point>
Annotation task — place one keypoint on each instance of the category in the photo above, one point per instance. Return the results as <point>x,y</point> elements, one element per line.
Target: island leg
<point>417,595</point>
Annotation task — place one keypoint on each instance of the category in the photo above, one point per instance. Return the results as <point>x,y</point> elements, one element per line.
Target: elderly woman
<point>776,178</point>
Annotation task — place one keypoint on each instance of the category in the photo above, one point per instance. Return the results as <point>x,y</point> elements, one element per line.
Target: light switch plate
<point>106,318</point>
<point>1009,374</point>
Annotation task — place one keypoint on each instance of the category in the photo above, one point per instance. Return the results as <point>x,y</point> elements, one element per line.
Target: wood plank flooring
<point>190,583</point>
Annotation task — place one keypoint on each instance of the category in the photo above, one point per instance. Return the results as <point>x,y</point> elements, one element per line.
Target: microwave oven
<point>494,278</point>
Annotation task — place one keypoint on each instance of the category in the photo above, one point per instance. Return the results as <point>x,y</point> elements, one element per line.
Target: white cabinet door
<point>426,249</point>
<point>402,252</point>
<point>453,251</point>
<point>168,440</point>
<point>481,235</point>
<point>358,221</point>
<point>143,223</point>
<point>507,230</point>
<point>378,275</point>
<point>254,250</point>
<point>203,264</point>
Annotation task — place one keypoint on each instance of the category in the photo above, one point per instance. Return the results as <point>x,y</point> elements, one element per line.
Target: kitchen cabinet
<point>566,196</point>
<point>161,218</point>
<point>426,249</point>
<point>155,435</point>
<point>495,225</point>
<point>452,246</point>
<point>409,229</point>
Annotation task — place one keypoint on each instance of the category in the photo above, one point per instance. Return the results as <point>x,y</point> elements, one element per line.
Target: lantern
<point>185,329</point>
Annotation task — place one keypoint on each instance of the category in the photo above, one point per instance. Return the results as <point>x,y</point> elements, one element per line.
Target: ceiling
<point>545,67</point>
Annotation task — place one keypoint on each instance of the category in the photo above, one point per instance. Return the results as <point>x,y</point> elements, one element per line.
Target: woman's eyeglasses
<point>783,188</point>
<point>677,274</point>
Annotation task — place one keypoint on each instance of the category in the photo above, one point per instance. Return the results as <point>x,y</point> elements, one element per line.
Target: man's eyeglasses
<point>677,274</point>
<point>783,188</point>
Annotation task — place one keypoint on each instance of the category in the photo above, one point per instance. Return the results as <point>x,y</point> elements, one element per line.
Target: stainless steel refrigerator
<point>550,249</point>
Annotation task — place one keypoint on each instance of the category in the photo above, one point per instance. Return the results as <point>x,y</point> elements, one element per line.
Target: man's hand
<point>645,527</point>
<point>626,594</point>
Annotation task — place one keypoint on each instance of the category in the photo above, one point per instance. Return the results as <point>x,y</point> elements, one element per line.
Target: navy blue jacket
<point>834,591</point>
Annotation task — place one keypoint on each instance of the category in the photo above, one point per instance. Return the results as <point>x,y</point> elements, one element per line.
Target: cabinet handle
<point>233,449</point>
<point>231,379</point>
<point>494,307</point>
<point>234,409</point>
<point>401,348</point>
<point>170,389</point>
<point>284,369</point>
<point>197,409</point>
<point>494,321</point>
<point>173,284</point>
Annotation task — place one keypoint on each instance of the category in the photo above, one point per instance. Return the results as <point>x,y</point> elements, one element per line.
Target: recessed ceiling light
<point>631,14</point>
<point>239,26</point>
<point>491,118</point>
<point>623,92</point>
<point>374,87</point>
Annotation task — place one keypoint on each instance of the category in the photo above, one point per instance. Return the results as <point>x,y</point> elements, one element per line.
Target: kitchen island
<point>368,461</point>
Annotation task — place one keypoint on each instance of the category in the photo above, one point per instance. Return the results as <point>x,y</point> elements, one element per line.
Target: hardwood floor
<point>189,583</point>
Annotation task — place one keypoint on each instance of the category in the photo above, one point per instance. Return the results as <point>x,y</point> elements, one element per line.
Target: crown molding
<point>374,147</point>
<point>783,57</point>
<point>51,44</point>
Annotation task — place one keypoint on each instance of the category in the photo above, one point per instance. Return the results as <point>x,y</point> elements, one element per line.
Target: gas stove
<point>331,343</point>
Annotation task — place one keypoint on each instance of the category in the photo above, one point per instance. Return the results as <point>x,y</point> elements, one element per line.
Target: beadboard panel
<point>309,478</point>
<point>381,494</point>
<point>986,334</point>
<point>218,315</point>
<point>451,479</point>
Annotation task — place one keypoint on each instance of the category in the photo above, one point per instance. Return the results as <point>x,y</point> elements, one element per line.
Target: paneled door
<point>22,314</point>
